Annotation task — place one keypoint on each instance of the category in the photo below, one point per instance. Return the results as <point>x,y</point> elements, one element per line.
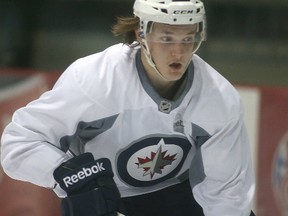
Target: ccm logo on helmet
<point>183,12</point>
<point>85,172</point>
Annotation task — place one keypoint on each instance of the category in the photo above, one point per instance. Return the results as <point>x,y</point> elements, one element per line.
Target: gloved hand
<point>90,188</point>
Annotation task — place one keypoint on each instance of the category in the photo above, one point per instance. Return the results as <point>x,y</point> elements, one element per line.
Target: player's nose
<point>177,50</point>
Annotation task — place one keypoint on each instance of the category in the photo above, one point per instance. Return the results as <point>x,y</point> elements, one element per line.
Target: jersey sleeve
<point>227,183</point>
<point>30,148</point>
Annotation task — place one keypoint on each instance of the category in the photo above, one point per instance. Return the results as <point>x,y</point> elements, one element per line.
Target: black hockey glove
<point>91,190</point>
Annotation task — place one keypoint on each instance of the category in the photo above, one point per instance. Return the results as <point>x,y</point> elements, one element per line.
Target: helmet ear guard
<point>141,34</point>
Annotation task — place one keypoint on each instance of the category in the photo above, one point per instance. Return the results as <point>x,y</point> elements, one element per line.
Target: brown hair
<point>125,27</point>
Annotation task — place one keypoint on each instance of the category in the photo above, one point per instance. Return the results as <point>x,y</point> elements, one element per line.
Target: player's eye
<point>166,39</point>
<point>189,39</point>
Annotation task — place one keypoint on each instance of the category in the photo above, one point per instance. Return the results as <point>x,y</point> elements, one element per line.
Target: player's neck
<point>171,91</point>
<point>165,88</point>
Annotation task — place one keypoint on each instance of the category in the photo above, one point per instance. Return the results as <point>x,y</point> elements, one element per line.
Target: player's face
<point>171,48</point>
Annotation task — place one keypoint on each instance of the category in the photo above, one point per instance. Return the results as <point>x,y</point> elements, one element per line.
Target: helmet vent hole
<point>198,10</point>
<point>175,20</point>
<point>190,19</point>
<point>164,11</point>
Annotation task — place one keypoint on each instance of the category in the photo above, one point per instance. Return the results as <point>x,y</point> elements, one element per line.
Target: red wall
<point>272,190</point>
<point>19,198</point>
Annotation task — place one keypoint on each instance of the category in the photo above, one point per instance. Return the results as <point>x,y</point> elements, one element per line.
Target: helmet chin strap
<point>149,59</point>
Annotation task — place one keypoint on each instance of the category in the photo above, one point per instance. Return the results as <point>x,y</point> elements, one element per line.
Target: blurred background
<point>247,43</point>
<point>247,39</point>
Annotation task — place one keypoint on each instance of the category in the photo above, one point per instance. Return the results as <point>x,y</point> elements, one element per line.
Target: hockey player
<point>143,128</point>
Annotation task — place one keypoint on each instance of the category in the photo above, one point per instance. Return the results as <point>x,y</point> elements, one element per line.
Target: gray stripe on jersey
<point>196,170</point>
<point>169,105</point>
<point>85,132</point>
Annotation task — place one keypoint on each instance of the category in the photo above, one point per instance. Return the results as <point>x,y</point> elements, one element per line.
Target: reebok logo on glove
<point>85,172</point>
<point>81,170</point>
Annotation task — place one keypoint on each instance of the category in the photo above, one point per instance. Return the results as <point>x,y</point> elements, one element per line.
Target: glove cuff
<point>91,203</point>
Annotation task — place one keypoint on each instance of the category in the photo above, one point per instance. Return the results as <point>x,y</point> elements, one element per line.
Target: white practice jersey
<point>105,104</point>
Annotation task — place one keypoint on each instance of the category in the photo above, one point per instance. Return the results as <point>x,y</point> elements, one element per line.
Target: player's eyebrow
<point>191,32</point>
<point>168,32</point>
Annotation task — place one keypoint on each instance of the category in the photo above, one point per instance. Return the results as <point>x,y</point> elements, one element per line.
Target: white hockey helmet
<point>173,12</point>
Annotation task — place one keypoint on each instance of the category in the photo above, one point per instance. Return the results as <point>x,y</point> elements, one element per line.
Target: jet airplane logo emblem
<point>156,162</point>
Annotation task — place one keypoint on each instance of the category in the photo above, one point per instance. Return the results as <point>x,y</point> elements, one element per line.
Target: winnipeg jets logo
<point>156,163</point>
<point>152,160</point>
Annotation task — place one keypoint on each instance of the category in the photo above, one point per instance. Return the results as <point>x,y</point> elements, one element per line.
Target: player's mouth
<point>175,66</point>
